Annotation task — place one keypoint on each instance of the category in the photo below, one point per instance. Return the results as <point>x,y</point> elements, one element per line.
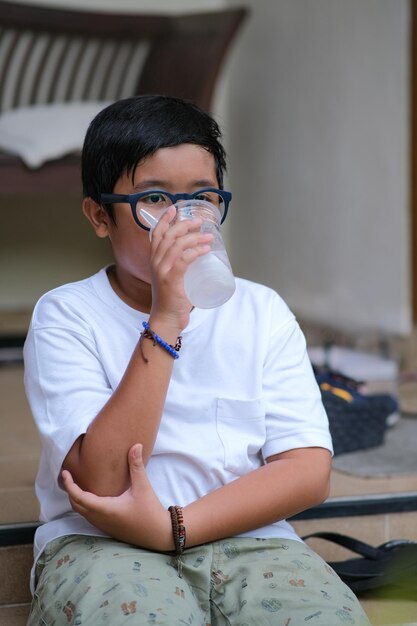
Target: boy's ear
<point>97,216</point>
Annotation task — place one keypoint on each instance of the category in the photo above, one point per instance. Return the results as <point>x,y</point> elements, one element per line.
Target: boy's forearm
<point>296,481</point>
<point>133,413</point>
<point>292,482</point>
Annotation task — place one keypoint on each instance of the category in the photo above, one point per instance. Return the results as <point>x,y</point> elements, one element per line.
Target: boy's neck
<point>137,294</point>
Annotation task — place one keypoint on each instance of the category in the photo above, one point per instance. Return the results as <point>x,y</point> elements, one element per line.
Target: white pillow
<point>40,133</point>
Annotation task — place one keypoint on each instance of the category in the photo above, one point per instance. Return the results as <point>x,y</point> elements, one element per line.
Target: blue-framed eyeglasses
<point>155,201</point>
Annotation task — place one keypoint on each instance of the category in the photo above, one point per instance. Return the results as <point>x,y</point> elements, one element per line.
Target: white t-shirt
<point>242,390</point>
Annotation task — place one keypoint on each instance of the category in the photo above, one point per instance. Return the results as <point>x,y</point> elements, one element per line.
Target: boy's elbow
<point>323,476</point>
<point>102,476</point>
<point>323,490</point>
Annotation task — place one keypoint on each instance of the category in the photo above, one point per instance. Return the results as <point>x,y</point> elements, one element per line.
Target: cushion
<point>41,133</point>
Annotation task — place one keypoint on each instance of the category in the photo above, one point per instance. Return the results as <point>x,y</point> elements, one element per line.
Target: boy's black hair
<point>129,130</point>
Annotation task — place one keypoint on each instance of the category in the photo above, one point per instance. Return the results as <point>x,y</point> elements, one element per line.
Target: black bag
<point>356,421</point>
<point>392,564</point>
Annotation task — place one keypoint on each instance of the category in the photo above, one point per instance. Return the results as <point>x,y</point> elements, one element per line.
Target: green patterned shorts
<point>86,581</point>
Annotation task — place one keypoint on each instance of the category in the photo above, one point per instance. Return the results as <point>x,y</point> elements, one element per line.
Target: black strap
<point>360,547</point>
<point>393,563</point>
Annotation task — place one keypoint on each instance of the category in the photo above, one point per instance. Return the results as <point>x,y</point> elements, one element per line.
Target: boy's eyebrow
<point>149,184</point>
<point>205,182</point>
<point>161,184</point>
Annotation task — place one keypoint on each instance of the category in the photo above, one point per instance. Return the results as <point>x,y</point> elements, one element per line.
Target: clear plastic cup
<point>209,280</point>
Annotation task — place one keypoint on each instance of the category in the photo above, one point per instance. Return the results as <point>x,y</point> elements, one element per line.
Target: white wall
<point>314,104</point>
<point>319,143</point>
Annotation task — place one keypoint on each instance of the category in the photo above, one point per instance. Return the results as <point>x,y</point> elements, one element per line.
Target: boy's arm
<point>289,483</point>
<point>97,459</point>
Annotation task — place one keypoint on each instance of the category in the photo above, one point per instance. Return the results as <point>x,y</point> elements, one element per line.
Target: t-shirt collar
<point>105,291</point>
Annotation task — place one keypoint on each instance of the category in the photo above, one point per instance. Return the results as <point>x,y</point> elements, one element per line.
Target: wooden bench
<point>50,55</point>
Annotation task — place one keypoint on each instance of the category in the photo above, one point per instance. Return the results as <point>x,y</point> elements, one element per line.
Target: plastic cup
<point>209,280</point>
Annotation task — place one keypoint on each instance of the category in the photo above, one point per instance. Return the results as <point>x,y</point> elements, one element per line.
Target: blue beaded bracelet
<point>150,334</point>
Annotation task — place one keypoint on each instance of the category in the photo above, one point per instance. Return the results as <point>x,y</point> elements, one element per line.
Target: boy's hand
<point>173,249</point>
<point>136,516</point>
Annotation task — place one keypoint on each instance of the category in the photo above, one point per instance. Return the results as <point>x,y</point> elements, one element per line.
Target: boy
<point>232,433</point>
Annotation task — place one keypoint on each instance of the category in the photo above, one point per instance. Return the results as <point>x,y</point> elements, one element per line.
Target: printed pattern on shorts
<point>86,581</point>
<point>281,582</point>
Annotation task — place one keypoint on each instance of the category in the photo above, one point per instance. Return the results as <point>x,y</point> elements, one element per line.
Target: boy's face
<point>180,169</point>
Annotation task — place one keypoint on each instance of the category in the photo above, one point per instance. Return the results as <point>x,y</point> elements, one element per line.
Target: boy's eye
<point>210,196</point>
<point>154,198</point>
<point>203,196</point>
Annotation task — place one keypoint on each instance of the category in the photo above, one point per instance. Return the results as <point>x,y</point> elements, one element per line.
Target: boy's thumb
<point>136,468</point>
<point>135,457</point>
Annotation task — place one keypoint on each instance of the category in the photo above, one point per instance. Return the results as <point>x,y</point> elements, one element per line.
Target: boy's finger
<point>165,229</point>
<point>67,480</point>
<point>169,214</point>
<point>77,507</point>
<point>82,499</point>
<point>135,454</point>
<point>136,467</point>
<point>164,221</point>
<point>173,249</point>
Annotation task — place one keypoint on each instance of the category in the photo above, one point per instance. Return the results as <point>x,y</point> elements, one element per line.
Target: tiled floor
<point>19,450</point>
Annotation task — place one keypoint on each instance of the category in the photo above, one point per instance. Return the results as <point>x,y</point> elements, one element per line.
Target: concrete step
<point>14,614</point>
<point>15,565</point>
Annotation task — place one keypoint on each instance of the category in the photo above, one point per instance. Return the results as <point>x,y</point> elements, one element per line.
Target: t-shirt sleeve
<point>295,415</point>
<point>64,380</point>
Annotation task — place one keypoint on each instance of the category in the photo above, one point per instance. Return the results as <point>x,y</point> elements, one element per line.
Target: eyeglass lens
<point>156,203</point>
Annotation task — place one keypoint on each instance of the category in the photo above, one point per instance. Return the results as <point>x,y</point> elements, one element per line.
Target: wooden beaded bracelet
<point>178,529</point>
<point>178,534</point>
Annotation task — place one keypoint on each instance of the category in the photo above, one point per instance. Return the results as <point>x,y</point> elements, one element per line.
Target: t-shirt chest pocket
<point>241,429</point>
